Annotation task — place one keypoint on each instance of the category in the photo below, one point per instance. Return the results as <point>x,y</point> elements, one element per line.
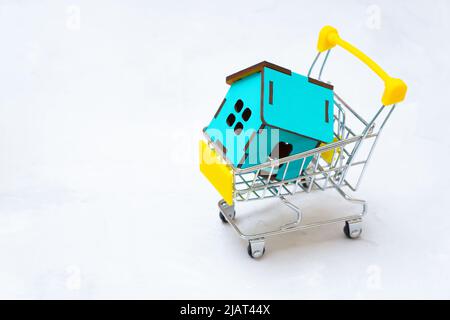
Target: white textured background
<point>101,107</point>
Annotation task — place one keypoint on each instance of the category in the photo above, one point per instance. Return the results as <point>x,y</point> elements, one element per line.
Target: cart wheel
<point>353,229</point>
<point>305,184</point>
<point>256,249</point>
<point>221,216</point>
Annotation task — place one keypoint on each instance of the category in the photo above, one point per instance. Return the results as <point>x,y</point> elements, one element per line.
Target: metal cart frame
<point>329,168</point>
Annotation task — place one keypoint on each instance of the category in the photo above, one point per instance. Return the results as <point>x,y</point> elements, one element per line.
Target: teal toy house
<point>270,112</point>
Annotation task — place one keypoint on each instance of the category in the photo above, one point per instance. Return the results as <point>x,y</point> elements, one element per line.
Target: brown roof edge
<point>320,83</point>
<point>254,69</point>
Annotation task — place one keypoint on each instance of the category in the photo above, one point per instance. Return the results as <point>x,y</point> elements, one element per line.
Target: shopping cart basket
<point>339,165</point>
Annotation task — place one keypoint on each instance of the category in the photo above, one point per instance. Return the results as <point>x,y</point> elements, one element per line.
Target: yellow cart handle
<point>394,89</point>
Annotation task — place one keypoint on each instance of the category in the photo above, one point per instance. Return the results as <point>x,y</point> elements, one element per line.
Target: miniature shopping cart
<point>339,164</point>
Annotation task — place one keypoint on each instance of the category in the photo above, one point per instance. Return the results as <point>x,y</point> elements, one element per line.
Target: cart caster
<point>225,209</point>
<point>222,217</point>
<point>353,229</point>
<point>256,248</point>
<point>305,182</point>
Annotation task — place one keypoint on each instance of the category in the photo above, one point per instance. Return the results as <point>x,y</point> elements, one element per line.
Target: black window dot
<point>238,105</point>
<point>238,128</point>
<point>230,119</point>
<point>246,114</point>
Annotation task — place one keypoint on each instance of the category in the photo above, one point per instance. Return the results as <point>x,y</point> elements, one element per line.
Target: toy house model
<point>270,112</point>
